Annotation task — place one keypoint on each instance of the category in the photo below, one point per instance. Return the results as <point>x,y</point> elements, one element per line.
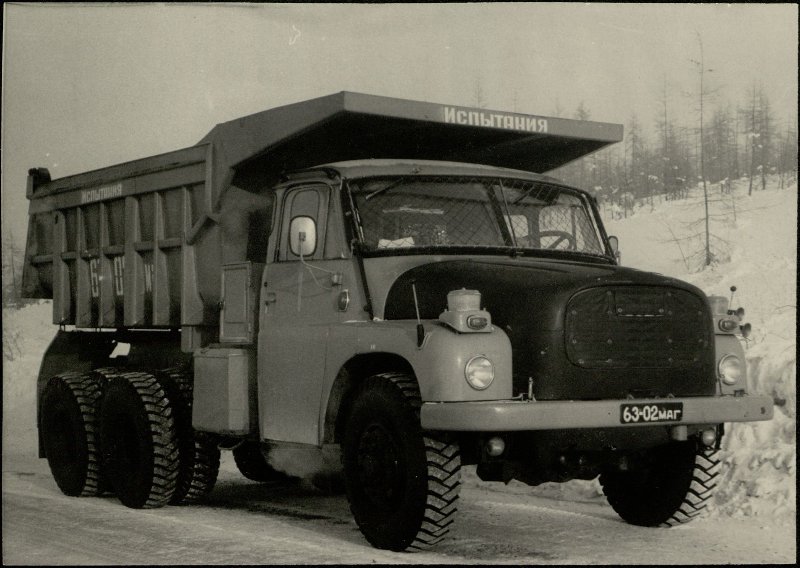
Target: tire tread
<point>631,497</point>
<point>443,463</point>
<point>86,394</point>
<point>199,456</point>
<point>161,432</point>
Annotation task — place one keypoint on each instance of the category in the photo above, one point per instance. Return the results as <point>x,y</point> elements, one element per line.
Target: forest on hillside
<point>663,156</point>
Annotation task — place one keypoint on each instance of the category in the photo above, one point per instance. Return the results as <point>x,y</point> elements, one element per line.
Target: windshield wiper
<point>384,188</point>
<point>526,194</point>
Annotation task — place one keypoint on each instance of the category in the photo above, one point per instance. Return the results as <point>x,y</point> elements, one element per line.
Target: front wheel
<point>674,485</point>
<point>402,483</point>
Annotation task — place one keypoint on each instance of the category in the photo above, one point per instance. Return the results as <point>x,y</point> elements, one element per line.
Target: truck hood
<point>627,333</point>
<point>515,292</point>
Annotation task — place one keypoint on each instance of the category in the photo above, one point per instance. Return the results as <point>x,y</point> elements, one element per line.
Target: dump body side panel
<point>139,245</point>
<point>108,246</point>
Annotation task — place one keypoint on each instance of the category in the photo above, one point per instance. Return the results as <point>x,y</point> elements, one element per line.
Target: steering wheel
<point>562,236</point>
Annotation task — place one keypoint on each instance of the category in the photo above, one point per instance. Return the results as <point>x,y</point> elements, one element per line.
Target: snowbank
<point>26,334</point>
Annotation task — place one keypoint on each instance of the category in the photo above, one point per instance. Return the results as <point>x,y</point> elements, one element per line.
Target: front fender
<point>439,363</point>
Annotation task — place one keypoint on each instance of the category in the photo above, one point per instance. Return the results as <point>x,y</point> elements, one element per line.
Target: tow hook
<point>679,433</point>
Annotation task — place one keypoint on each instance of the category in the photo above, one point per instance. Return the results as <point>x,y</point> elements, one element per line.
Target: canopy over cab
<point>352,126</point>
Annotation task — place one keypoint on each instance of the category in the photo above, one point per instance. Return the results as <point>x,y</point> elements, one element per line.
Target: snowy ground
<point>251,523</point>
<point>752,520</point>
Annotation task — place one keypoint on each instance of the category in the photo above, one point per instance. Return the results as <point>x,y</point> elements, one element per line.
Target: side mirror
<point>613,242</point>
<point>302,236</point>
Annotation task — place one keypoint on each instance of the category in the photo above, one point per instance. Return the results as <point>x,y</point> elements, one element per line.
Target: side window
<point>304,202</point>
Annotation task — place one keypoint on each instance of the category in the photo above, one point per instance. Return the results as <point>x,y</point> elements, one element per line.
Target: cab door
<point>299,303</point>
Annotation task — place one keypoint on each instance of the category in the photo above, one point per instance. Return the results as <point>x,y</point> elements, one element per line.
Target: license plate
<point>650,412</point>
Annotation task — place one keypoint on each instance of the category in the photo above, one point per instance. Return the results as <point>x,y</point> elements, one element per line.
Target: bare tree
<point>635,143</point>
<point>734,174</point>
<point>667,177</point>
<point>674,157</point>
<point>11,274</point>
<point>718,147</point>
<point>582,113</point>
<point>765,138</point>
<point>702,97</point>
<point>788,155</point>
<point>752,134</point>
<point>704,94</point>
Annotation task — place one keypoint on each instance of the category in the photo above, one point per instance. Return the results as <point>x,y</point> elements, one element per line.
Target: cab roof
<point>378,167</point>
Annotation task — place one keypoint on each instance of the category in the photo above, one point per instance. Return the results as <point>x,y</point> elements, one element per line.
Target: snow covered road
<point>250,523</point>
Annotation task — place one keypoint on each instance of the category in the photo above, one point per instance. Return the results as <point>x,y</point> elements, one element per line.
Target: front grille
<point>622,327</point>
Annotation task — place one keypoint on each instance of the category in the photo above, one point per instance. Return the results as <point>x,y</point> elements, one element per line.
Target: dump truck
<point>396,290</point>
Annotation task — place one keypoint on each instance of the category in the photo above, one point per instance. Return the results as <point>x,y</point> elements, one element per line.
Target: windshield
<point>457,212</point>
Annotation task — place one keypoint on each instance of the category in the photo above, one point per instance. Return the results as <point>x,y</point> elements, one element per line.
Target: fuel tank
<point>580,330</point>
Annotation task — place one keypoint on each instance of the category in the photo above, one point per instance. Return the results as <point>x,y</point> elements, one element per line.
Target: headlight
<point>479,372</point>
<point>730,369</point>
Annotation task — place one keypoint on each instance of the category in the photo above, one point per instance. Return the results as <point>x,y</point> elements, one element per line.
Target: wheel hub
<point>380,469</point>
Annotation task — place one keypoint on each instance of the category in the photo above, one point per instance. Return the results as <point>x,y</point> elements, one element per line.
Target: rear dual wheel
<point>198,452</point>
<point>138,440</point>
<point>150,454</point>
<point>69,430</point>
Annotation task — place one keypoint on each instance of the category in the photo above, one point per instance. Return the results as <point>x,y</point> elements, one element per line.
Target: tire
<point>102,376</point>
<point>673,488</point>
<point>198,454</point>
<point>402,483</point>
<point>205,469</point>
<point>69,405</point>
<point>140,447</point>
<point>254,465</point>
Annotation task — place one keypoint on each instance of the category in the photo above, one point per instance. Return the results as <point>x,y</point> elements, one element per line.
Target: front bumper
<point>512,415</point>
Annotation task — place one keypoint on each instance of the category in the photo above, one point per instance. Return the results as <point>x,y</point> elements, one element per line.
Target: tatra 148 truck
<point>390,286</point>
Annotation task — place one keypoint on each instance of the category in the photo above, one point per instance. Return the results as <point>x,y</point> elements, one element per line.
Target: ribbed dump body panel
<point>625,327</point>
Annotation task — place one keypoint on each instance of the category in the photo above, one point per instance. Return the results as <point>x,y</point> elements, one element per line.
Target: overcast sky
<point>90,86</point>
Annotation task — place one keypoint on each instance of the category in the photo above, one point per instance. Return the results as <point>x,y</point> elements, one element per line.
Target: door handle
<point>270,298</point>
